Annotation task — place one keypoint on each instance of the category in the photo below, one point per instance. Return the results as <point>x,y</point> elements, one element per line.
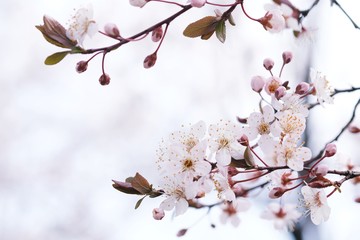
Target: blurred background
<point>64,137</point>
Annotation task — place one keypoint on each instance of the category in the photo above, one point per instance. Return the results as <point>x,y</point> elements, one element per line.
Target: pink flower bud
<point>81,66</point>
<point>320,182</point>
<point>272,84</point>
<point>244,140</point>
<point>320,170</point>
<point>287,56</point>
<point>330,150</point>
<point>354,129</point>
<point>150,60</point>
<point>138,3</point>
<point>257,83</point>
<point>104,79</point>
<point>276,192</point>
<point>242,120</point>
<point>302,88</point>
<point>158,213</point>
<point>280,92</point>
<point>112,30</point>
<point>157,34</point>
<point>181,232</point>
<point>198,3</point>
<point>357,199</point>
<point>268,63</point>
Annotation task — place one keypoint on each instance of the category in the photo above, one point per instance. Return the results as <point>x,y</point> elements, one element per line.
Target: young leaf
<point>221,31</point>
<point>203,28</point>
<point>249,159</point>
<point>137,205</point>
<point>141,184</point>
<point>125,187</point>
<point>56,58</point>
<point>231,20</point>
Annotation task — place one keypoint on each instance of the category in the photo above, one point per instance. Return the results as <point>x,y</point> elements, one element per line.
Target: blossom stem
<point>252,178</point>
<point>292,188</point>
<point>252,150</point>
<point>161,41</point>
<point>246,14</point>
<point>221,5</point>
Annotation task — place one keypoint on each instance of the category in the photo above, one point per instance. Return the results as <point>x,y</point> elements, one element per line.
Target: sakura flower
<point>260,124</point>
<point>288,153</point>
<point>273,21</point>
<point>291,124</point>
<point>291,102</point>
<point>316,202</point>
<point>283,216</point>
<point>223,141</point>
<point>138,3</point>
<point>82,24</point>
<point>230,211</point>
<point>177,192</point>
<point>272,84</point>
<point>221,182</point>
<point>189,164</point>
<point>188,137</point>
<point>283,178</point>
<point>323,90</point>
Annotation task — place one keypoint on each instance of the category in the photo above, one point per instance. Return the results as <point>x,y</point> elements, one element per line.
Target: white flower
<point>282,178</point>
<point>283,216</point>
<point>82,24</point>
<point>177,192</point>
<point>322,87</point>
<point>291,102</point>
<point>230,210</point>
<point>260,124</point>
<point>288,153</point>
<point>291,124</point>
<point>316,202</point>
<point>189,164</point>
<point>138,3</point>
<point>222,185</point>
<point>223,141</point>
<point>273,21</point>
<point>188,137</point>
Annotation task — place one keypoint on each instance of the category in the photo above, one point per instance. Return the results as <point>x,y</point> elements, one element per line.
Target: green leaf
<point>249,159</point>
<point>203,28</point>
<point>221,31</point>
<point>56,58</point>
<point>141,184</point>
<point>138,203</point>
<point>231,20</point>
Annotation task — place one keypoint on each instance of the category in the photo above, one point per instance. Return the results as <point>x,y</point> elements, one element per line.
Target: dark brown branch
<point>346,14</point>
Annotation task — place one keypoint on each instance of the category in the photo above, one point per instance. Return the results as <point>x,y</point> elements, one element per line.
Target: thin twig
<point>346,14</point>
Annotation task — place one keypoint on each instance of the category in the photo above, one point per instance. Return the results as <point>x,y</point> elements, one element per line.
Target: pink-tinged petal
<point>255,119</point>
<point>168,204</point>
<point>223,157</point>
<point>235,220</point>
<point>181,206</point>
<point>303,153</point>
<point>198,129</point>
<point>268,113</point>
<point>295,164</point>
<point>251,132</point>
<point>203,167</point>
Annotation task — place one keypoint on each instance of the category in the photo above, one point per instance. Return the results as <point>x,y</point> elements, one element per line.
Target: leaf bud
<point>150,60</point>
<point>104,79</point>
<point>81,66</point>
<point>268,63</point>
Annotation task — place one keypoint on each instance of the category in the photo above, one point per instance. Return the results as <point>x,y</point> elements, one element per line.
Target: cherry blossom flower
<point>291,102</point>
<point>82,24</point>
<point>188,137</point>
<point>223,141</point>
<point>189,164</point>
<point>272,83</point>
<point>282,178</point>
<point>260,124</point>
<point>291,124</point>
<point>288,153</point>
<point>283,216</point>
<point>177,192</point>
<point>316,202</point>
<point>323,90</point>
<point>230,211</point>
<point>273,21</point>
<point>222,186</point>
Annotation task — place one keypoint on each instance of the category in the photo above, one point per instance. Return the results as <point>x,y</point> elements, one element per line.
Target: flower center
<point>190,143</point>
<point>188,164</point>
<point>280,213</point>
<point>317,200</point>
<point>263,128</point>
<point>223,143</point>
